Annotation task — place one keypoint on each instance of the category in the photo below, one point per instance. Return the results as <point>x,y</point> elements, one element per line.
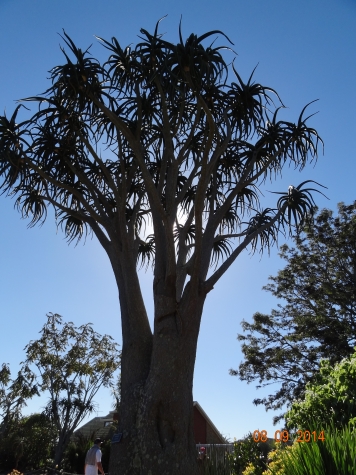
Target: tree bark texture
<point>156,416</point>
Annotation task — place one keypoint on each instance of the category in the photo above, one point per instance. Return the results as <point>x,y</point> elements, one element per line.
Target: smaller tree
<point>331,399</point>
<point>72,364</point>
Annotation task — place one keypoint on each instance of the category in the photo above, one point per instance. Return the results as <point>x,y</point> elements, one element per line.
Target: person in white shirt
<point>93,459</point>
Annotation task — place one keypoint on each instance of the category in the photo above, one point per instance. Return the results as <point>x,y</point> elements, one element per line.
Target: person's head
<point>98,441</point>
<point>202,452</point>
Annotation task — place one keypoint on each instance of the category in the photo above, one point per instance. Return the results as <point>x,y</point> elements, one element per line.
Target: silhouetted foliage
<point>318,319</point>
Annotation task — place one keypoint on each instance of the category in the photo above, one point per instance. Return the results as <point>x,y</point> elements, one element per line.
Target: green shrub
<point>329,399</point>
<point>74,455</point>
<point>249,454</point>
<point>27,443</point>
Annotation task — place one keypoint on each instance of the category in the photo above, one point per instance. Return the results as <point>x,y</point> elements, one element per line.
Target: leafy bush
<point>276,460</point>
<point>248,453</point>
<point>331,399</point>
<point>27,443</point>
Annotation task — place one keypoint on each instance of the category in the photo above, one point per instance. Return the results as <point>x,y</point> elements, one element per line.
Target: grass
<point>335,456</point>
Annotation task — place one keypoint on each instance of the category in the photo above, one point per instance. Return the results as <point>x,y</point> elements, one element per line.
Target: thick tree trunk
<point>157,416</point>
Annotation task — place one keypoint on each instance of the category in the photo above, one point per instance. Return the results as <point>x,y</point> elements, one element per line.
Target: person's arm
<point>85,466</point>
<point>100,467</point>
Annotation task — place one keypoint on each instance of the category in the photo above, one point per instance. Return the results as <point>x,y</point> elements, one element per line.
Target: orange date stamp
<point>283,436</point>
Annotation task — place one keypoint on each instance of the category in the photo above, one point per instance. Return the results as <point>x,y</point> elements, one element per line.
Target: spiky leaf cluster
<point>156,135</point>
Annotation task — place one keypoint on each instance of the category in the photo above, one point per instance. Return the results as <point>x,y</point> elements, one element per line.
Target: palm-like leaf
<point>32,205</point>
<point>268,236</point>
<point>189,234</point>
<point>221,248</point>
<point>146,251</point>
<point>248,104</point>
<point>298,202</point>
<point>73,227</point>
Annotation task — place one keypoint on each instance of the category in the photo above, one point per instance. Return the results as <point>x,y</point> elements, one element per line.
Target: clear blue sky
<point>305,49</point>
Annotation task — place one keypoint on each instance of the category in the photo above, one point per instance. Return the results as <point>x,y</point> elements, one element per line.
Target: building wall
<point>211,436</point>
<point>199,427</point>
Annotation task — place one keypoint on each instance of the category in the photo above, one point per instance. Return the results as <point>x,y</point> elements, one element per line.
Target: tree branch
<point>209,284</point>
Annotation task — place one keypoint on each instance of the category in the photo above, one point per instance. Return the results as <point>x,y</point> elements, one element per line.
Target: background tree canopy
<point>318,319</point>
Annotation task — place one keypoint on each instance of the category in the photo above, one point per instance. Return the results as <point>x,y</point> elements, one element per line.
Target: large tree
<point>318,319</point>
<point>157,136</point>
<point>71,364</point>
